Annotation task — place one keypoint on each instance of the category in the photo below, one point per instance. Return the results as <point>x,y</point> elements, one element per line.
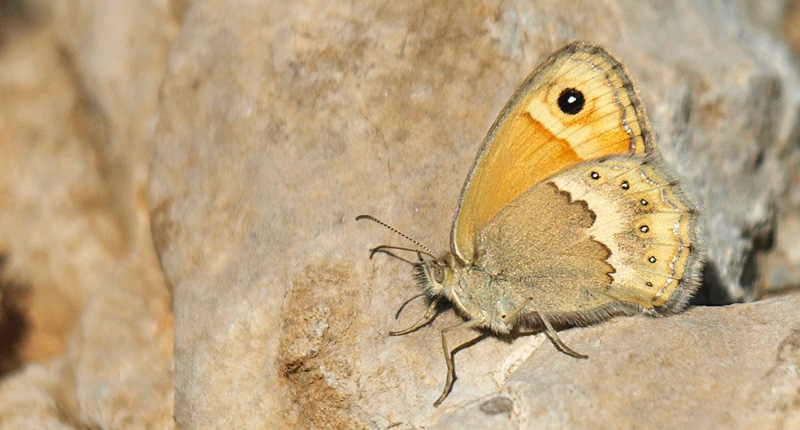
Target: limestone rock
<point>280,123</point>
<point>711,367</point>
<point>90,329</point>
<point>254,132</point>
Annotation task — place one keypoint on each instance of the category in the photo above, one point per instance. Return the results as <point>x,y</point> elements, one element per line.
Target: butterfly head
<point>470,290</point>
<point>437,276</point>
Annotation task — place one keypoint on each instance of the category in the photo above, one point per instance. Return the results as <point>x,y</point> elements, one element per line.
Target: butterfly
<point>568,216</point>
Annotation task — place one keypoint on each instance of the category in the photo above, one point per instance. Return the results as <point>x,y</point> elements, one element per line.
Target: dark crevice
<point>763,240</point>
<point>712,292</point>
<point>18,15</point>
<point>715,292</point>
<point>14,325</point>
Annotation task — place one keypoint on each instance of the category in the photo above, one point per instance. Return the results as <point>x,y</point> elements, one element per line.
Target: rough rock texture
<point>724,367</point>
<point>281,123</point>
<point>781,265</point>
<point>268,126</point>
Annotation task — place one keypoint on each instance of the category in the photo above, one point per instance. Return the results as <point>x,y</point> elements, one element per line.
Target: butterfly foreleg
<point>403,306</point>
<point>428,317</point>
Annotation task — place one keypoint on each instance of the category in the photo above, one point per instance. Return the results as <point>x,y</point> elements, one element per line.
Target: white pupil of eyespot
<point>571,99</point>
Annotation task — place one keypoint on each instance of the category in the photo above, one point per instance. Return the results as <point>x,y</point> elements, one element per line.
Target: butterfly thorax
<point>474,292</point>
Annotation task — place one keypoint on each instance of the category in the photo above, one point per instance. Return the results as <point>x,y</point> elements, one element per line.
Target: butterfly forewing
<point>578,105</point>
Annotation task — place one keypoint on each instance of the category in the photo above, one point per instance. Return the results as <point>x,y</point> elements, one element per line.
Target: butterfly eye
<point>571,101</point>
<point>438,274</point>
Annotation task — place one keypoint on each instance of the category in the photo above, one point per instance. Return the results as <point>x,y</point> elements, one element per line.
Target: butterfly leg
<point>448,358</point>
<point>428,317</point>
<point>553,335</point>
<point>403,306</point>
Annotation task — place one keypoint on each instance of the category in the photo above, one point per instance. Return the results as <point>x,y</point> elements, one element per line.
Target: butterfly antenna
<point>423,249</point>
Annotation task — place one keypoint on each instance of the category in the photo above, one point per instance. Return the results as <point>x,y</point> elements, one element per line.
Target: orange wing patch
<point>580,104</point>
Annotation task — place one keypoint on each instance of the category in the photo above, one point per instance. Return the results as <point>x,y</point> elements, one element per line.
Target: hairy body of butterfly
<point>567,217</point>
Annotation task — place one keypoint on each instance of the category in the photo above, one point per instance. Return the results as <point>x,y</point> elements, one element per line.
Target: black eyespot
<point>652,259</point>
<point>571,101</point>
<point>595,175</point>
<point>643,202</point>
<point>625,185</point>
<point>649,284</point>
<point>644,229</point>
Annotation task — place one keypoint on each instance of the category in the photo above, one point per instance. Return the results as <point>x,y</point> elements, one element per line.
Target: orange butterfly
<point>568,217</point>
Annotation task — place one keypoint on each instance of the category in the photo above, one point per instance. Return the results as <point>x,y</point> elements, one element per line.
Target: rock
<point>90,332</point>
<point>380,110</point>
<point>265,128</point>
<point>282,122</point>
<point>26,399</point>
<point>663,373</point>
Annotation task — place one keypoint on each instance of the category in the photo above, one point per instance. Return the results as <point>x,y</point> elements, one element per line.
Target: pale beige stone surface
<point>732,367</point>
<point>283,122</point>
<point>254,132</point>
<point>28,399</point>
<point>91,323</point>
